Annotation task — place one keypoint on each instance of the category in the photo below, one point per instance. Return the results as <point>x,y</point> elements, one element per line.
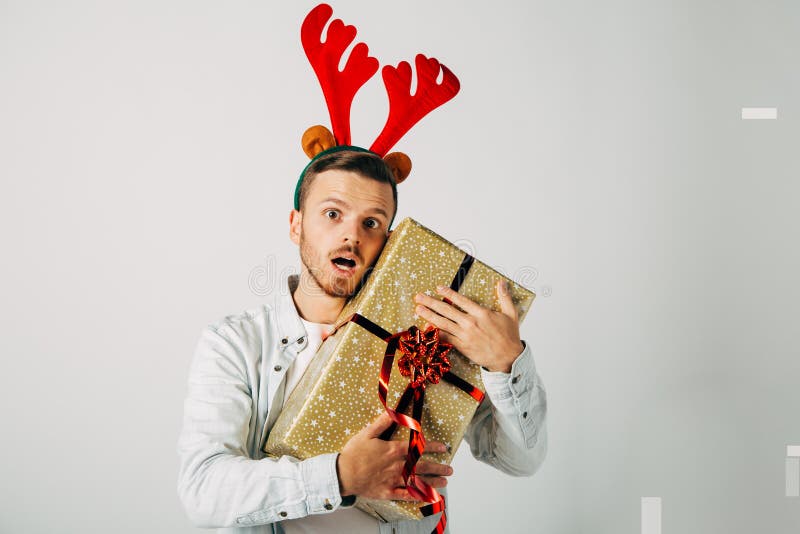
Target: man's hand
<point>486,337</point>
<point>371,467</point>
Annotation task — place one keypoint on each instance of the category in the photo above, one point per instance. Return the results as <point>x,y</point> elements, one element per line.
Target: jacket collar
<point>290,326</point>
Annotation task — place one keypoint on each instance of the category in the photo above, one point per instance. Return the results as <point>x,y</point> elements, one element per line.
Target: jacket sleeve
<point>219,484</point>
<point>508,430</point>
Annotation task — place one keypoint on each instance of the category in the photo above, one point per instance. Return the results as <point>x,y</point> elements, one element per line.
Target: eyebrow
<point>342,203</point>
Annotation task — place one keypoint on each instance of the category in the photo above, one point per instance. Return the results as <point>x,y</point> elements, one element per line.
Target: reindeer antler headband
<point>341,86</point>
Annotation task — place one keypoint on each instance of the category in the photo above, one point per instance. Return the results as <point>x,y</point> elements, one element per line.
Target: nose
<point>352,232</point>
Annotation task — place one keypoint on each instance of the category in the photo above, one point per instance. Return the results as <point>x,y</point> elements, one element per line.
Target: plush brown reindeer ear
<point>400,165</point>
<point>316,139</point>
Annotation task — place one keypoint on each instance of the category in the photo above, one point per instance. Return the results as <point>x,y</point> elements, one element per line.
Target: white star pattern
<point>344,396</point>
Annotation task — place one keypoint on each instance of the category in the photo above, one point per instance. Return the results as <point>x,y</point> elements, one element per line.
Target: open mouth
<point>344,263</point>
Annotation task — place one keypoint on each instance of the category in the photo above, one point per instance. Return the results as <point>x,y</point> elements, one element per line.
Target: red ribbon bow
<point>424,357</point>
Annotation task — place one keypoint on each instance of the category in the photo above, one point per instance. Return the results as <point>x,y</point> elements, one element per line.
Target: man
<point>246,365</point>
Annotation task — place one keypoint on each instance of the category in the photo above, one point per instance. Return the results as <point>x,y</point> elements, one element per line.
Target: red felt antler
<point>405,109</point>
<point>339,87</point>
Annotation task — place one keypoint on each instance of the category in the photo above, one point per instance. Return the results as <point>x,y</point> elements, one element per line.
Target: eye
<point>331,214</point>
<point>371,223</point>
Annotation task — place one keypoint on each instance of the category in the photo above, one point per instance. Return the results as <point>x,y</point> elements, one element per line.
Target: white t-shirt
<point>295,371</point>
<point>350,520</point>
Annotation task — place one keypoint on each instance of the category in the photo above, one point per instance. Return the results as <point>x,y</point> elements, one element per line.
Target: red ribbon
<point>423,355</point>
<point>424,360</point>
<point>416,365</point>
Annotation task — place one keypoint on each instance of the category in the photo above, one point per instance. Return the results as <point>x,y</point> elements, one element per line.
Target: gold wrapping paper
<point>338,394</point>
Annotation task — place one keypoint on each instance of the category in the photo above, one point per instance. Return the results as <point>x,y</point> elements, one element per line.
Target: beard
<point>330,284</point>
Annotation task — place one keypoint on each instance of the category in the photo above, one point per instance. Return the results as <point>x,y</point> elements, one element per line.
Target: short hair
<point>366,164</point>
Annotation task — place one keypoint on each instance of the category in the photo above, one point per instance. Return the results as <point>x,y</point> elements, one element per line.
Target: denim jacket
<point>235,393</point>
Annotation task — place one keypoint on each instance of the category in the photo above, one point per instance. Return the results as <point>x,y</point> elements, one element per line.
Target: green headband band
<point>332,150</point>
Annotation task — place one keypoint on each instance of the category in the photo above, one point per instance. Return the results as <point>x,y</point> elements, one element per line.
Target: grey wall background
<point>148,153</point>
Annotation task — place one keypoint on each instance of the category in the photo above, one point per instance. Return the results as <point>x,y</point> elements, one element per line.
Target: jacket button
<point>282,514</point>
<point>515,379</point>
<point>328,506</point>
<point>301,340</point>
<point>524,415</point>
<point>284,341</point>
<point>277,368</point>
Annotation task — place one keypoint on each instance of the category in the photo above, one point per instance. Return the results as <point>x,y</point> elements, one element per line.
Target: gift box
<point>336,397</point>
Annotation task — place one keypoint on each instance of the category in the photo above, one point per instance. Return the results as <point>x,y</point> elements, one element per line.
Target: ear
<point>316,139</point>
<point>295,225</point>
<point>400,165</point>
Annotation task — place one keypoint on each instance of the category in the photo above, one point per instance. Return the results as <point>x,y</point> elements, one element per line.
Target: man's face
<point>342,228</point>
